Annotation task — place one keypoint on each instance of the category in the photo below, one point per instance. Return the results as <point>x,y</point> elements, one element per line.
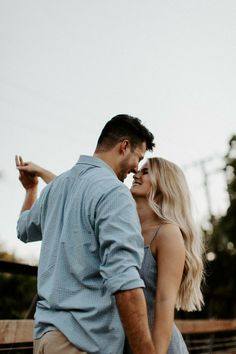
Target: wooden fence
<point>201,336</point>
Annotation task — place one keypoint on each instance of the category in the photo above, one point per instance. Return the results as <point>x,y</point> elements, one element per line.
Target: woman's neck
<point>148,219</point>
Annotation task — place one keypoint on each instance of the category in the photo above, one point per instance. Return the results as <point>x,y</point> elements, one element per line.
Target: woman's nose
<point>136,175</point>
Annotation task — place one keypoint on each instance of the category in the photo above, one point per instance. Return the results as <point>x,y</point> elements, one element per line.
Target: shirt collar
<point>94,161</point>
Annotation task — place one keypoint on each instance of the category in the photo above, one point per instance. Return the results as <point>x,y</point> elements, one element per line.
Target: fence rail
<point>200,335</point>
<point>17,268</point>
<point>205,326</point>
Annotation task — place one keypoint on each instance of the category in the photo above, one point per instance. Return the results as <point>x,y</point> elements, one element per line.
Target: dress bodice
<point>149,275</point>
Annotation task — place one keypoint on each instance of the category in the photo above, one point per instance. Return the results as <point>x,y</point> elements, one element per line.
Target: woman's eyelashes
<point>144,171</point>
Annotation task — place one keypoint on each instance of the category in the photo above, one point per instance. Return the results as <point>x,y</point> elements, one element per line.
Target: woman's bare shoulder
<point>169,234</point>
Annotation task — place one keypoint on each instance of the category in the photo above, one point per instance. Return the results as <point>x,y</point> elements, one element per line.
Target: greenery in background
<point>221,272</point>
<point>17,293</point>
<point>220,278</point>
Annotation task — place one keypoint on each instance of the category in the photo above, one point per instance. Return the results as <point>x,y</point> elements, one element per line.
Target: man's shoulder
<point>93,179</point>
<point>103,180</point>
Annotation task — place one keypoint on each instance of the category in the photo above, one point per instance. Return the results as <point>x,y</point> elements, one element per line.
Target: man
<point>91,249</point>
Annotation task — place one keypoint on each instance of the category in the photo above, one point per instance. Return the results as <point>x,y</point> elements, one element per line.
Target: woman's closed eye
<point>144,171</point>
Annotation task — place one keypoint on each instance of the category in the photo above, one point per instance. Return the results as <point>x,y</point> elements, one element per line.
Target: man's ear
<point>124,146</point>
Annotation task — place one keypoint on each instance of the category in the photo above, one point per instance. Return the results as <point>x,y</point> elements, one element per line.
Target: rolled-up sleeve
<point>121,244</point>
<point>28,225</point>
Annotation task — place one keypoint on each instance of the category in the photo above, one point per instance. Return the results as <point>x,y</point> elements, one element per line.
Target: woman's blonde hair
<point>170,199</point>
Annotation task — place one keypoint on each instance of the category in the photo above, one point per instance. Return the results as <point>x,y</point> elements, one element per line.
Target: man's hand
<point>27,176</point>
<point>29,172</point>
<point>132,308</point>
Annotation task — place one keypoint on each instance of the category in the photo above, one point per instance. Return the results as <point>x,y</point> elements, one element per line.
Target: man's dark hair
<point>123,127</point>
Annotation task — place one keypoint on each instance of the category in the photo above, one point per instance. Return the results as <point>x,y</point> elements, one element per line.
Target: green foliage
<point>17,293</point>
<point>221,280</point>
<point>220,273</point>
<point>221,286</point>
<point>231,166</point>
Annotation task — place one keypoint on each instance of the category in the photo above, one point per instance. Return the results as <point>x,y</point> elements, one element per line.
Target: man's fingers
<point>21,161</point>
<point>22,173</point>
<point>17,160</point>
<point>24,168</point>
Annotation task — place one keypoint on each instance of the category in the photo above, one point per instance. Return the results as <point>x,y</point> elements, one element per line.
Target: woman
<point>172,266</point>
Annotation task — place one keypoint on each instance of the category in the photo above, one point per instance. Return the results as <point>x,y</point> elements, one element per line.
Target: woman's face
<point>141,184</point>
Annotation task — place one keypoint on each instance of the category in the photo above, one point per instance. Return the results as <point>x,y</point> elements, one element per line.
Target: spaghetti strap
<point>156,232</point>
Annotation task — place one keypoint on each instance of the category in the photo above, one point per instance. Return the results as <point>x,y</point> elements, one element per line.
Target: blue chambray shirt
<point>91,248</point>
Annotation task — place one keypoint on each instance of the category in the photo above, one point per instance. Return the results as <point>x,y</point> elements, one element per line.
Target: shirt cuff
<point>21,226</point>
<point>124,281</point>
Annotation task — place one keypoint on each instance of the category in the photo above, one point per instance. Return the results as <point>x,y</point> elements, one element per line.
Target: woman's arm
<point>169,251</point>
<point>33,170</point>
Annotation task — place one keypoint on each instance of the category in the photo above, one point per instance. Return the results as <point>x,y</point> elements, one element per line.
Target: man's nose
<point>135,170</point>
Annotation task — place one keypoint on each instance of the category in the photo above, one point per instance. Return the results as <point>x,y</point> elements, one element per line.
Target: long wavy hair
<point>170,199</point>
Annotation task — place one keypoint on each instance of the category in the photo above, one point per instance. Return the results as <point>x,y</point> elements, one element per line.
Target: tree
<point>220,281</point>
<point>221,243</point>
<point>17,292</point>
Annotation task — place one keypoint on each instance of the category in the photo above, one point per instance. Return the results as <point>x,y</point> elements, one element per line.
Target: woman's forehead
<point>144,166</point>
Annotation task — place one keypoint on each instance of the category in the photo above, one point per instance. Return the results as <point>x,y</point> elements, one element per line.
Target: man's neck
<point>108,158</point>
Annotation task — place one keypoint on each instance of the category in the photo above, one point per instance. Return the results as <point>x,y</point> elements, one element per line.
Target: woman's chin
<point>136,193</point>
<point>132,190</point>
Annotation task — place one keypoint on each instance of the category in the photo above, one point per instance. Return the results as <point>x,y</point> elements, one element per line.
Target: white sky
<point>66,67</point>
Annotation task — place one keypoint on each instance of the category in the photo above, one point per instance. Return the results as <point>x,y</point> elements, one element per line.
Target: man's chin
<point>122,177</point>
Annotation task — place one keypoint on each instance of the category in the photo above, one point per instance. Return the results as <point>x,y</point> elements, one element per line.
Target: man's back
<point>91,248</point>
